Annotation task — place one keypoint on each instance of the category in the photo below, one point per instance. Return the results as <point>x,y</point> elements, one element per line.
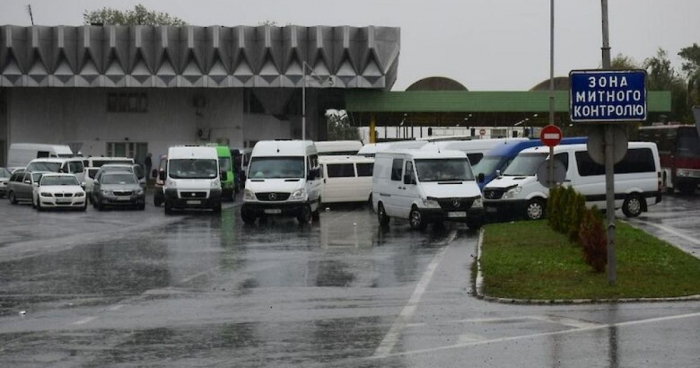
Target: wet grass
<point>528,260</point>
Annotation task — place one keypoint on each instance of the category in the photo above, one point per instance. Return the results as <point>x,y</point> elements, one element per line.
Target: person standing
<point>148,164</point>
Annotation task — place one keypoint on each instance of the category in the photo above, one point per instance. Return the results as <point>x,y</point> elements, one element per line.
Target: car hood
<point>504,182</point>
<point>132,187</point>
<point>4,180</point>
<point>274,185</point>
<point>451,189</point>
<point>60,189</point>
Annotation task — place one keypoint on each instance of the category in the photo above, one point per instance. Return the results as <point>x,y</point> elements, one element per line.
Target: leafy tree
<point>622,62</point>
<point>139,16</point>
<point>691,68</point>
<point>339,127</point>
<point>662,76</point>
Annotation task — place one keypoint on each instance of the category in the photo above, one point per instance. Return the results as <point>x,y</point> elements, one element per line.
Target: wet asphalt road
<point>137,288</point>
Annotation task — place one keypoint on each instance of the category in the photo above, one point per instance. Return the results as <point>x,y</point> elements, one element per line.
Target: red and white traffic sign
<point>551,135</point>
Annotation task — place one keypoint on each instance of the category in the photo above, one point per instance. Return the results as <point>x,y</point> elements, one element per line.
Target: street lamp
<point>303,95</point>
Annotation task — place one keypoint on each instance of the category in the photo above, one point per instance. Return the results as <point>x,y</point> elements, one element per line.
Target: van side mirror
<point>223,176</point>
<point>498,173</point>
<point>481,177</point>
<point>161,175</point>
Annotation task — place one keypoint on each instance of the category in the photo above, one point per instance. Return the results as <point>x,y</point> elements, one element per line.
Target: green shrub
<point>553,207</point>
<point>578,210</point>
<point>594,240</point>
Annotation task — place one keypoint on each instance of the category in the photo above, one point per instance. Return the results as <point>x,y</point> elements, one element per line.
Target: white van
<point>100,161</point>
<point>192,179</point>
<point>332,148</point>
<point>637,180</point>
<point>475,149</point>
<point>21,154</point>
<point>59,165</point>
<point>282,179</point>
<point>371,149</point>
<point>424,187</point>
<point>346,178</point>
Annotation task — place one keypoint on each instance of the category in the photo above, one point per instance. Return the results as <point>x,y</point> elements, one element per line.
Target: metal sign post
<point>551,88</point>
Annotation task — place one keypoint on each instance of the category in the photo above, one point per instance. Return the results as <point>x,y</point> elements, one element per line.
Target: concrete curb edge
<point>479,285</point>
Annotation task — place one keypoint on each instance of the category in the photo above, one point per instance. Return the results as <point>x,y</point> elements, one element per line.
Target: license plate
<point>123,198</point>
<point>456,214</point>
<point>491,209</point>
<point>273,211</point>
<point>194,202</point>
<point>63,201</point>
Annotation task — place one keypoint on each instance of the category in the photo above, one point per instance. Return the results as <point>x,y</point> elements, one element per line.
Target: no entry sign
<point>551,135</point>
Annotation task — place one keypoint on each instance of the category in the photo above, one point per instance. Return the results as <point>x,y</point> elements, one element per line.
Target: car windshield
<point>225,163</point>
<point>451,169</point>
<point>276,168</point>
<point>58,180</point>
<point>44,166</point>
<point>525,164</point>
<point>193,168</point>
<point>117,168</point>
<point>118,178</point>
<point>4,173</point>
<point>488,165</point>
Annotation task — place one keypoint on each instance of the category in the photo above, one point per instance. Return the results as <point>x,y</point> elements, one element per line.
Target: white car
<point>59,191</point>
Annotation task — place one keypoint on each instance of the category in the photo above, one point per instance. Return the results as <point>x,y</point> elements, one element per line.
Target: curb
<point>479,294</point>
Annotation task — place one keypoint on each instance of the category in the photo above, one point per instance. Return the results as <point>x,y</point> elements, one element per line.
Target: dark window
<point>563,158</point>
<point>42,154</point>
<point>127,102</point>
<point>365,169</point>
<point>409,171</point>
<point>76,167</point>
<point>17,177</point>
<point>474,158</point>
<point>396,167</point>
<point>251,103</point>
<point>636,161</point>
<point>341,171</point>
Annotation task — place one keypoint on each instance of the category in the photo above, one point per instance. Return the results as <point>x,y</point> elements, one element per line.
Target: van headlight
<point>431,203</point>
<point>513,192</point>
<point>248,195</point>
<point>479,202</point>
<point>171,183</point>
<point>298,195</point>
<point>215,184</point>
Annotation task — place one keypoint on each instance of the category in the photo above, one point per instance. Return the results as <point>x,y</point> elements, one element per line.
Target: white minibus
<point>426,187</point>
<point>332,148</point>
<point>346,178</point>
<point>192,179</point>
<point>637,180</point>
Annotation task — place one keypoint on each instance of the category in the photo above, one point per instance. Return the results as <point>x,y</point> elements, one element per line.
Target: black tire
<point>535,209</point>
<point>33,203</point>
<point>84,207</point>
<point>248,217</point>
<point>416,220</point>
<point>217,208</point>
<point>12,197</point>
<point>305,216</point>
<point>142,207</point>
<point>687,189</point>
<point>381,215</point>
<point>632,206</point>
<point>157,201</point>
<point>100,206</point>
<point>38,206</point>
<point>475,224</point>
<point>315,215</point>
<point>89,198</point>
<point>168,208</point>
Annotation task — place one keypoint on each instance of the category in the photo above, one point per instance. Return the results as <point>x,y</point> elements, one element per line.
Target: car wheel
<point>632,207</point>
<point>415,219</point>
<point>84,208</point>
<point>168,208</point>
<point>248,217</point>
<point>535,209</point>
<point>142,206</point>
<point>33,203</point>
<point>305,216</point>
<point>157,201</point>
<point>475,224</point>
<point>12,198</point>
<point>381,215</point>
<point>38,206</point>
<point>100,206</point>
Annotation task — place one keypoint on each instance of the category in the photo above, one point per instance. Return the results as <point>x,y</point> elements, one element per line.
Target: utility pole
<point>609,164</point>
<point>551,88</point>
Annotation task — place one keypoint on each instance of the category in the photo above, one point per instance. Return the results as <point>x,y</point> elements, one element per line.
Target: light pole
<point>303,95</point>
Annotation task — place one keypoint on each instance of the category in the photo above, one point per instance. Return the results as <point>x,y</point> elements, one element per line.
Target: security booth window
<point>341,171</point>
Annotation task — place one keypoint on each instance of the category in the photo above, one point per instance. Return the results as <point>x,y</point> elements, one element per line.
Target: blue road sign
<point>608,95</point>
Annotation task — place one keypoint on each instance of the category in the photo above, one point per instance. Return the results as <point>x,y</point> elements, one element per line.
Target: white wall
<point>68,115</point>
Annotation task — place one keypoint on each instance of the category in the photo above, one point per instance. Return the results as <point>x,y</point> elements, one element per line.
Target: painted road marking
<point>674,232</point>
<point>84,320</point>
<point>544,334</point>
<point>392,337</point>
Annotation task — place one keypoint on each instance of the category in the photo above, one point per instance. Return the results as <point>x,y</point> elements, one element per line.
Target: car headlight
<point>299,194</point>
<point>431,203</point>
<point>511,193</point>
<point>139,191</point>
<point>106,192</point>
<point>44,194</point>
<point>215,184</point>
<point>248,195</point>
<point>479,202</point>
<point>682,173</point>
<point>80,194</point>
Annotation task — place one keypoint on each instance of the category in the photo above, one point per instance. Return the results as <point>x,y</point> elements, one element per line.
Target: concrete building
<point>119,90</point>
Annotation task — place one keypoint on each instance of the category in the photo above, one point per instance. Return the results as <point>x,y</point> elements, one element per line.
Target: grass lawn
<point>529,260</point>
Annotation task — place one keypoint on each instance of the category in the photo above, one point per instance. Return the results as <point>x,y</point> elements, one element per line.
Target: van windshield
<point>525,164</point>
<point>688,143</point>
<point>487,165</point>
<point>452,169</point>
<point>276,168</point>
<point>193,168</point>
<point>44,166</point>
<point>100,163</point>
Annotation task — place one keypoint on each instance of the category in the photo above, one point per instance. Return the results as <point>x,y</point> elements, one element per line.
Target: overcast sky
<point>484,44</point>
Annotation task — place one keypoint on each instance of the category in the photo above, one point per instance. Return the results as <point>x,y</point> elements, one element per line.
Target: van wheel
<point>12,197</point>
<point>217,208</point>
<point>632,207</point>
<point>475,224</point>
<point>535,209</point>
<point>168,208</point>
<point>381,215</point>
<point>415,219</point>
<point>687,189</point>
<point>157,201</point>
<point>369,200</point>
<point>247,216</point>
<point>305,216</point>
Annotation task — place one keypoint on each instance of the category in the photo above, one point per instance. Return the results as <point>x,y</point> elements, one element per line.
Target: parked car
<point>283,180</point>
<point>132,168</point>
<point>5,175</point>
<point>346,178</point>
<point>72,166</point>
<point>638,182</point>
<point>426,187</point>
<point>21,186</point>
<point>59,191</point>
<point>118,188</point>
